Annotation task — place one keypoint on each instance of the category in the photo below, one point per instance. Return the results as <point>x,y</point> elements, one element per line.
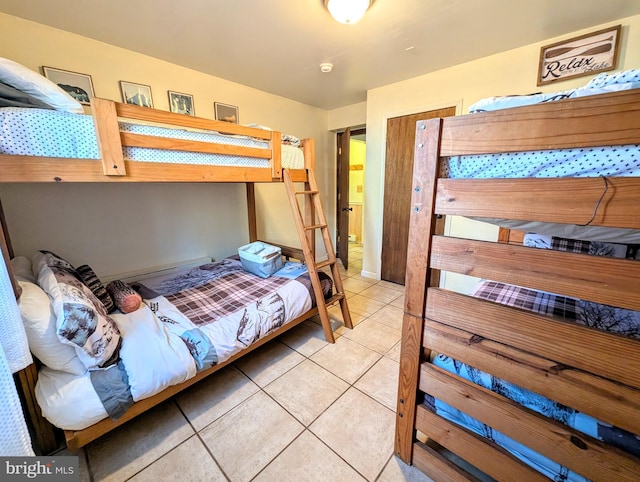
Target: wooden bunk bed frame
<point>112,167</point>
<point>594,372</point>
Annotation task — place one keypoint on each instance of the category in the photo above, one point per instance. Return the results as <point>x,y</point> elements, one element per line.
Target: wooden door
<point>398,174</point>
<point>342,214</point>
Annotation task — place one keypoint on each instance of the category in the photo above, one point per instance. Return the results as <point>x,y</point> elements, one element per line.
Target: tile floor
<point>297,409</point>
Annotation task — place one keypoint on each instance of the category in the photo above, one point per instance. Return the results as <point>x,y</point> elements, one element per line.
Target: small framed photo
<point>584,55</point>
<point>137,94</point>
<point>181,103</point>
<point>78,86</point>
<point>226,112</point>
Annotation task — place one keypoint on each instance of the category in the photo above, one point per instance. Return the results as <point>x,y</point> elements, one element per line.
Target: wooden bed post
<point>423,225</point>
<point>7,253</point>
<point>251,212</point>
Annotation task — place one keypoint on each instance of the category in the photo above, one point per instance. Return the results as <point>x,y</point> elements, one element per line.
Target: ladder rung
<point>327,262</point>
<point>315,226</point>
<point>307,192</point>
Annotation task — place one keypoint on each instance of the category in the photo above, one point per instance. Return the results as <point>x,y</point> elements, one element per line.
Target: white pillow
<point>21,266</point>
<point>40,326</point>
<point>32,83</point>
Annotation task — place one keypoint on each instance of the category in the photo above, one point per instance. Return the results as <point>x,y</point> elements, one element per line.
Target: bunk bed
<point>468,358</point>
<point>128,143</point>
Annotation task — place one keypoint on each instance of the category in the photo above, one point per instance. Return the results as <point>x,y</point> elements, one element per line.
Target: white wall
<point>123,228</point>
<point>511,72</point>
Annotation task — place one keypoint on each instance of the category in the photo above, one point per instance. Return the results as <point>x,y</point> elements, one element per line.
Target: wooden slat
<point>170,144</point>
<point>558,200</point>
<point>439,468</point>
<point>130,111</point>
<point>600,279</point>
<point>574,450</point>
<point>422,222</point>
<point>53,169</point>
<point>611,119</point>
<point>605,354</point>
<point>607,401</point>
<point>275,146</point>
<point>476,450</point>
<point>308,147</point>
<point>105,121</point>
<point>410,357</point>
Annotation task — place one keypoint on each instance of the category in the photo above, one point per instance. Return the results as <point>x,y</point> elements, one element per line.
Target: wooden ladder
<point>306,233</point>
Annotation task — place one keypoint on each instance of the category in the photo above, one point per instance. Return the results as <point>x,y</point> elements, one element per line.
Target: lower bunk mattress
<point>602,317</point>
<point>186,323</point>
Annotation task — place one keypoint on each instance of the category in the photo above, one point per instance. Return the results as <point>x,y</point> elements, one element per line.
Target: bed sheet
<point>204,316</point>
<point>40,132</point>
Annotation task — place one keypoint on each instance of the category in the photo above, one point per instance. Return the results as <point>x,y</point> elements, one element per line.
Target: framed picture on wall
<point>584,55</point>
<point>181,103</point>
<point>137,94</point>
<point>226,112</point>
<point>79,86</point>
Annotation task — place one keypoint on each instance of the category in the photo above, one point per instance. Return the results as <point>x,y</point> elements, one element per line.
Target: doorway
<point>351,145</point>
<point>398,177</point>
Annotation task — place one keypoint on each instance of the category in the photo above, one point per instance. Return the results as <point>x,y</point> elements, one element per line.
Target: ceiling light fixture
<point>347,11</point>
<point>326,67</point>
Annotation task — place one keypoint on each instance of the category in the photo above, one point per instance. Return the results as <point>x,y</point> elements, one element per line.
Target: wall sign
<point>584,55</point>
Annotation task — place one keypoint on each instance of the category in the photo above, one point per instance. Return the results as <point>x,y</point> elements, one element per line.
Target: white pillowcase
<point>40,326</point>
<point>32,83</point>
<point>21,266</point>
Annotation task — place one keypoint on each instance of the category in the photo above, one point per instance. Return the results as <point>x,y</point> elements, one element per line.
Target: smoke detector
<point>326,67</point>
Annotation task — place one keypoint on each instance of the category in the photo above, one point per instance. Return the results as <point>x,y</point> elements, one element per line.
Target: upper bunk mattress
<point>585,162</point>
<point>50,133</point>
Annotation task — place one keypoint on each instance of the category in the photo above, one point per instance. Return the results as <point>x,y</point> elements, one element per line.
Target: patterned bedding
<point>601,317</point>
<point>51,133</point>
<point>191,322</point>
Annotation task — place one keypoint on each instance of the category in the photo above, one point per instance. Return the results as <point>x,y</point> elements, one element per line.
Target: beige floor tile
<point>389,315</point>
<point>268,362</point>
<point>380,293</point>
<point>398,302</point>
<point>393,286</point>
<point>360,430</point>
<point>364,306</point>
<point>381,382</point>
<point>335,313</point>
<point>179,465</point>
<point>394,353</point>
<point>250,436</point>
<point>346,359</point>
<point>306,338</point>
<point>211,398</point>
<point>83,469</point>
<point>306,391</point>
<point>130,448</point>
<point>356,285</point>
<point>396,470</point>
<point>307,459</point>
<point>374,335</point>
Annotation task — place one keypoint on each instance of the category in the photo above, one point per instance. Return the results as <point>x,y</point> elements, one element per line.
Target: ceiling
<point>277,45</point>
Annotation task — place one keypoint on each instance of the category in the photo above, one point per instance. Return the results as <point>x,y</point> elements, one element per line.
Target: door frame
<point>344,256</point>
<point>458,103</point>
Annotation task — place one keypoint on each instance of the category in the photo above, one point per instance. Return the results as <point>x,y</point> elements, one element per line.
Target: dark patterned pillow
<point>91,280</point>
<point>124,296</point>
<point>81,319</point>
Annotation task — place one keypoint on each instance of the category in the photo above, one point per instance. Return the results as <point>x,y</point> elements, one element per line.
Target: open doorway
<point>350,197</point>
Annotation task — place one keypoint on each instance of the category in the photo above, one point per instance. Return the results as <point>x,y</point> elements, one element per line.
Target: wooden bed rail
<point>112,167</point>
